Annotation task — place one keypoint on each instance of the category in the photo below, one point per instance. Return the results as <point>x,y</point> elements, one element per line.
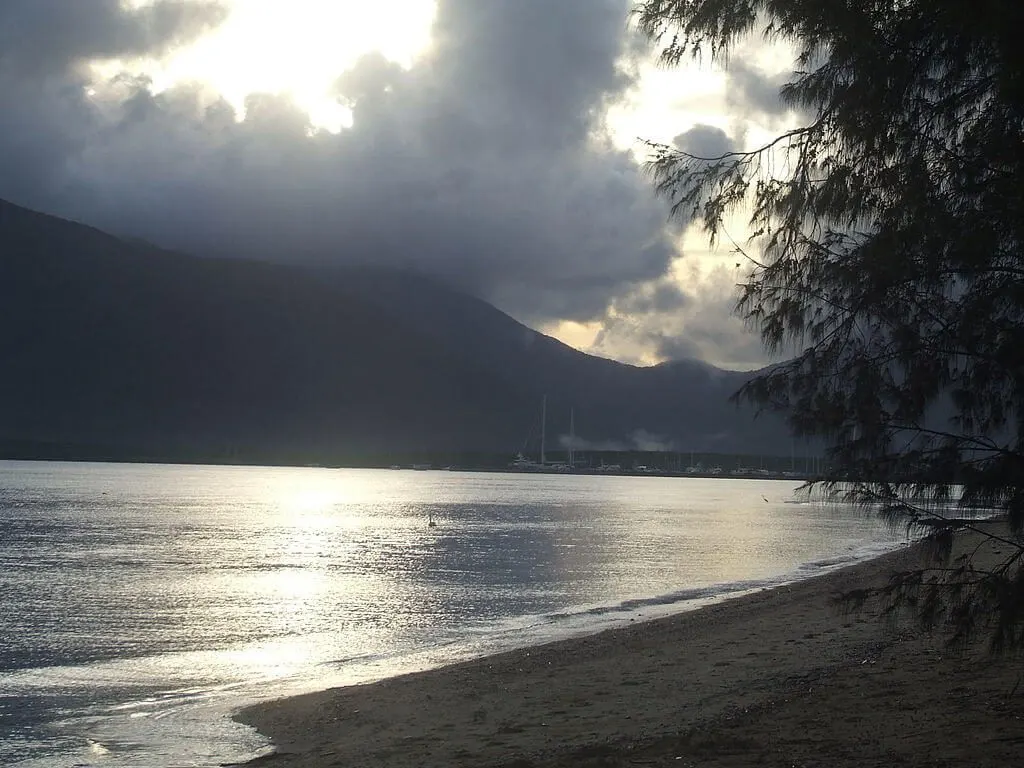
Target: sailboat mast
<point>543,425</point>
<point>572,437</point>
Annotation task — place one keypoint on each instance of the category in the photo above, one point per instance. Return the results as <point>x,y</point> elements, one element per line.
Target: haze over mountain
<point>118,346</point>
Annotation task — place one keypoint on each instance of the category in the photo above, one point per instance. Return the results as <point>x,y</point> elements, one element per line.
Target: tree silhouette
<point>886,248</point>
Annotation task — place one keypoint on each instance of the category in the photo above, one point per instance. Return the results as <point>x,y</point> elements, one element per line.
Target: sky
<point>493,144</point>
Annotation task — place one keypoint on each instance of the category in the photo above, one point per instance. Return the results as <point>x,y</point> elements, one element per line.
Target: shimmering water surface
<point>142,604</point>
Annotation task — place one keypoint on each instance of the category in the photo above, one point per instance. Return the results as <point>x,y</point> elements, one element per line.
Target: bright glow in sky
<point>299,47</point>
<point>668,102</point>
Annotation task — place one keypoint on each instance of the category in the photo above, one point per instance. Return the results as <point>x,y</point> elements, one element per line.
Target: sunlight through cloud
<point>298,47</point>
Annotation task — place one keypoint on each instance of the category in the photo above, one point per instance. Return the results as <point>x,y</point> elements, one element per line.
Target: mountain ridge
<point>159,354</point>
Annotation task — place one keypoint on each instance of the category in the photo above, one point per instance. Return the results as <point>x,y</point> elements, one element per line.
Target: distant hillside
<point>147,353</point>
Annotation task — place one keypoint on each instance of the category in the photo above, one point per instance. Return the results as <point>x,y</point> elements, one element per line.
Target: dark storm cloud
<point>542,69</point>
<point>708,329</point>
<point>653,298</point>
<point>46,118</point>
<point>697,323</point>
<point>47,36</point>
<point>705,141</point>
<point>755,93</point>
<point>485,163</point>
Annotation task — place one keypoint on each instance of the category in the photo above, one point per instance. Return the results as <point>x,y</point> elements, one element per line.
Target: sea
<point>141,605</point>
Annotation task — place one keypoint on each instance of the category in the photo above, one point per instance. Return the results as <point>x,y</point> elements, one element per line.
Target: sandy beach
<point>781,677</point>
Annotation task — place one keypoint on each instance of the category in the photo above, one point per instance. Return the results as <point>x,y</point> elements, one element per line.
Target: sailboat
<point>570,466</point>
<point>523,464</point>
<point>572,439</point>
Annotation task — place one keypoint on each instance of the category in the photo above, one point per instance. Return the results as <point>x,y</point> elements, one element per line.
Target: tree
<point>888,229</point>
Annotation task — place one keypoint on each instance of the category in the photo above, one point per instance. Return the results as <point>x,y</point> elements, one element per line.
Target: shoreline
<point>741,474</point>
<point>652,688</point>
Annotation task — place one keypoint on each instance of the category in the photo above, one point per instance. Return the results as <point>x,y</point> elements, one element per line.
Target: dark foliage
<point>888,227</point>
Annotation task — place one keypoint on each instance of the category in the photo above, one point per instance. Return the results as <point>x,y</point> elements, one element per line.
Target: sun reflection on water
<point>335,554</point>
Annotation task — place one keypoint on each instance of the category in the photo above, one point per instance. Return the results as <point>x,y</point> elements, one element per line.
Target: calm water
<point>141,604</point>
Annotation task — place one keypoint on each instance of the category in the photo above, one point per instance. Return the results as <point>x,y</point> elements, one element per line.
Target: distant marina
<point>524,465</point>
<point>571,458</point>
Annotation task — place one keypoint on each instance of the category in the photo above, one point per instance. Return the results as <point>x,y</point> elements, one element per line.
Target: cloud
<point>698,322</point>
<point>705,141</point>
<point>648,441</point>
<point>638,440</point>
<point>45,37</point>
<point>754,93</point>
<point>486,163</point>
<point>46,117</point>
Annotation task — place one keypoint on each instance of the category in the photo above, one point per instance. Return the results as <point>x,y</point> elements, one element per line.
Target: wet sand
<point>782,677</point>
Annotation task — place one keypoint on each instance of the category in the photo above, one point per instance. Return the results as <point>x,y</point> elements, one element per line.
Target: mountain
<point>121,349</point>
<point>684,402</point>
